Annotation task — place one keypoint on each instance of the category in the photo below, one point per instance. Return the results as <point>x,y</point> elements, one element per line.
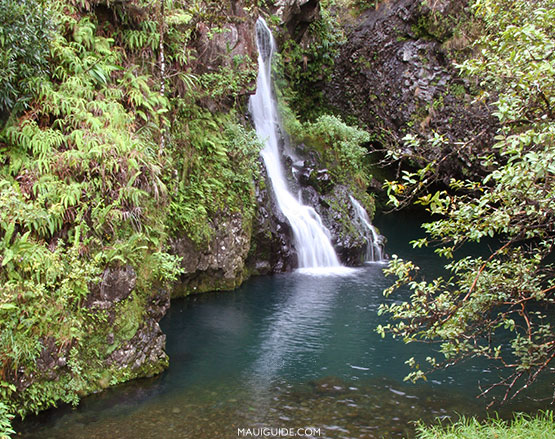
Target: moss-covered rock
<point>219,264</point>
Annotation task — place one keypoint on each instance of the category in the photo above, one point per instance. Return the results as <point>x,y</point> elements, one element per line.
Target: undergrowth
<point>521,427</point>
<point>104,160</point>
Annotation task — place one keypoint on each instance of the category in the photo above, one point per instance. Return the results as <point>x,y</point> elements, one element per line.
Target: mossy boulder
<point>218,264</point>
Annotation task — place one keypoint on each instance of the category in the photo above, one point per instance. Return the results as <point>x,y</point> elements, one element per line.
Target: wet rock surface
<point>218,265</point>
<point>297,15</point>
<point>271,249</point>
<point>273,237</point>
<point>143,351</point>
<point>127,339</point>
<point>217,44</point>
<point>395,75</point>
<point>117,283</point>
<point>336,211</point>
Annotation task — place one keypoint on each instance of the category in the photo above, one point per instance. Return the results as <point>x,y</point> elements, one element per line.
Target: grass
<point>522,426</point>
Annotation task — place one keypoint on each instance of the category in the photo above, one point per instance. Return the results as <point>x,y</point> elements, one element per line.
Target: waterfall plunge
<point>312,239</point>
<point>374,250</point>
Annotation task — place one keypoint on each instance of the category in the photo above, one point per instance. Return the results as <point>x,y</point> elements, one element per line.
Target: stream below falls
<point>287,351</point>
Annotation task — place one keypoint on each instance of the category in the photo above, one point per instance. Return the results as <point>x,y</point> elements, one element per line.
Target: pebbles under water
<point>289,351</point>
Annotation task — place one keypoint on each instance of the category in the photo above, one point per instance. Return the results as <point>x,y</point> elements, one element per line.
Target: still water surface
<point>293,350</point>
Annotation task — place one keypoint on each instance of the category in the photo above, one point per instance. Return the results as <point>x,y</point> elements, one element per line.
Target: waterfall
<point>374,249</point>
<point>311,238</point>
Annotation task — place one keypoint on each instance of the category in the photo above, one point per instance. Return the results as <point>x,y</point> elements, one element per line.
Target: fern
<point>81,190</point>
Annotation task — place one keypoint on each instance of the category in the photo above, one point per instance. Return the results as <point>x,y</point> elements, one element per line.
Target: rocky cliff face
<point>125,343</point>
<point>271,246</point>
<point>297,15</point>
<point>218,265</point>
<point>395,74</point>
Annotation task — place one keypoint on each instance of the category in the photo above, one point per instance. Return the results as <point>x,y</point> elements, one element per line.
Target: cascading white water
<point>374,251</point>
<point>312,239</point>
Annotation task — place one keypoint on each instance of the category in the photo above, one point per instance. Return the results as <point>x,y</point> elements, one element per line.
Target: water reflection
<point>295,330</point>
<point>292,337</point>
<point>284,351</point>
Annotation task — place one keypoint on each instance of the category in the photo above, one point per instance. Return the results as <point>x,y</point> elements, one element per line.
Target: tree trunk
<point>162,64</point>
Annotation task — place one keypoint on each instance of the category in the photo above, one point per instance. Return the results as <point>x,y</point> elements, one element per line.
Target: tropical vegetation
<point>498,305</point>
<point>105,152</point>
<point>117,138</point>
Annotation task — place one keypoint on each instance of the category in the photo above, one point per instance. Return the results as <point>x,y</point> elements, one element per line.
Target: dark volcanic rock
<point>319,179</point>
<point>297,15</point>
<point>117,283</point>
<point>218,265</point>
<point>228,45</point>
<point>52,358</point>
<point>127,340</point>
<point>142,352</point>
<point>138,346</point>
<point>272,244</point>
<point>336,211</point>
<point>394,74</point>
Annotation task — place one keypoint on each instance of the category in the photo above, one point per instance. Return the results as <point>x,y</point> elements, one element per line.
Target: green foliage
<point>308,66</point>
<point>433,24</point>
<point>5,422</point>
<point>234,80</point>
<point>486,300</point>
<point>362,5</point>
<point>216,162</point>
<point>339,146</point>
<point>24,38</point>
<point>521,427</point>
<point>80,190</point>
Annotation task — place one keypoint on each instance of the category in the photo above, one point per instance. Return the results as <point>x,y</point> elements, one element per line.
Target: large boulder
<point>218,264</point>
<point>336,211</point>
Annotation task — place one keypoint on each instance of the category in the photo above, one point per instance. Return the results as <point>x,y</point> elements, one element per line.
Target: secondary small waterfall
<point>312,239</point>
<point>374,250</point>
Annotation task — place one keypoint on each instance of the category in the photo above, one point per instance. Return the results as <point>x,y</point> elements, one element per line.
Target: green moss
<point>118,375</point>
<point>339,147</point>
<point>208,281</point>
<point>81,190</point>
<point>457,90</point>
<point>129,316</point>
<point>302,69</point>
<point>434,26</point>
